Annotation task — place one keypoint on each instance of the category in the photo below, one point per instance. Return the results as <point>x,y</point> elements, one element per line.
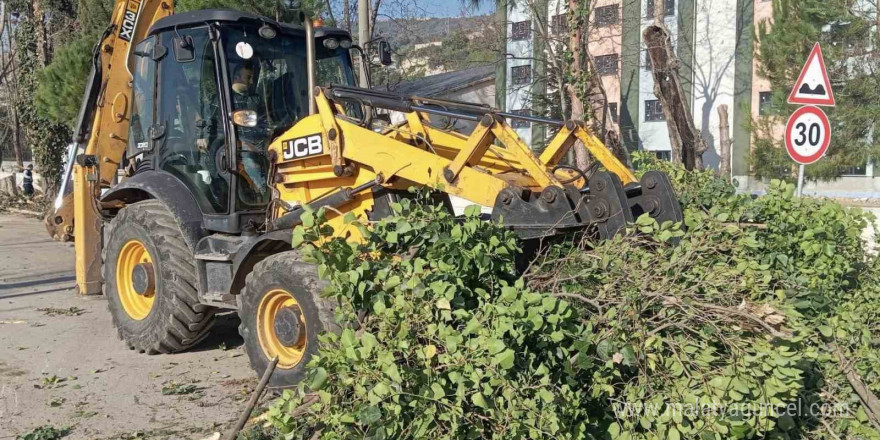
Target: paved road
<point>73,371</point>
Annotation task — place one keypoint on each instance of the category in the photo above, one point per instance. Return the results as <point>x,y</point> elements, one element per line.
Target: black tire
<point>284,271</point>
<point>176,320</point>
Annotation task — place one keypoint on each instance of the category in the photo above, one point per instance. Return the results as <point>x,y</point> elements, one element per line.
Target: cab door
<point>190,130</point>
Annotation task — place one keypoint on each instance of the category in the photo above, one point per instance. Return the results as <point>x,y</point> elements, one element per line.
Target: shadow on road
<point>37,282</point>
<point>224,333</point>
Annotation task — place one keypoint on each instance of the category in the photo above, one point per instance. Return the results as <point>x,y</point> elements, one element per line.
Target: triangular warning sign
<point>813,86</point>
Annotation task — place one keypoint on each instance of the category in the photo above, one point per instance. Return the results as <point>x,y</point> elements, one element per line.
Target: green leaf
<point>629,356</point>
<point>786,423</point>
<point>443,304</point>
<point>826,331</point>
<point>369,415</point>
<point>392,372</point>
<point>504,359</point>
<point>604,349</point>
<point>381,389</point>
<point>673,434</point>
<point>545,395</point>
<point>430,351</point>
<point>308,219</point>
<point>645,220</point>
<point>319,377</point>
<point>614,430</point>
<point>478,400</point>
<point>472,211</point>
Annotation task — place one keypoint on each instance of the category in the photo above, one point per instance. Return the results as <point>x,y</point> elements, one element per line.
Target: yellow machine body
<point>475,167</point>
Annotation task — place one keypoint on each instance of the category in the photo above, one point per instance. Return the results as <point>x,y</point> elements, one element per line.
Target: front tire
<point>150,281</point>
<point>282,314</point>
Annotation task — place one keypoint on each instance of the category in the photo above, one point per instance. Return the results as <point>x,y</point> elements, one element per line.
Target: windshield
<point>268,76</point>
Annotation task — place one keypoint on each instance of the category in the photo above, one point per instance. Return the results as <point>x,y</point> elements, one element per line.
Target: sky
<point>453,8</point>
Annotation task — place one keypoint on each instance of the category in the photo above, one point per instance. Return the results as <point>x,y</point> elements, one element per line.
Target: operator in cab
<point>252,139</point>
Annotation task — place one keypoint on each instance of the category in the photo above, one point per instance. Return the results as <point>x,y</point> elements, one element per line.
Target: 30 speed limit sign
<point>807,135</point>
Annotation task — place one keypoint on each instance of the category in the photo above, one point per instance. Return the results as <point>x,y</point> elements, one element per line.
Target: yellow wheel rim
<point>135,305</point>
<point>270,305</point>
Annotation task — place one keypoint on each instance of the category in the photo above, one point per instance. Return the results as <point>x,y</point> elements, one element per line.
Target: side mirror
<point>385,53</point>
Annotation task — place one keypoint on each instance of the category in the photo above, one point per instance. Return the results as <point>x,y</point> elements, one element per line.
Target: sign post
<point>808,132</point>
<point>800,187</point>
<point>807,136</point>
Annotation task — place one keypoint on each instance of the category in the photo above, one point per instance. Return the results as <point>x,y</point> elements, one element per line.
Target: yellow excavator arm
<point>331,159</point>
<point>101,136</point>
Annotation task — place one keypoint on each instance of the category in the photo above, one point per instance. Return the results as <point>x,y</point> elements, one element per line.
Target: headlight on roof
<point>267,32</point>
<point>331,43</point>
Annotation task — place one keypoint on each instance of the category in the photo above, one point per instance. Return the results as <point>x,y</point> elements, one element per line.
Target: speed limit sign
<point>807,135</point>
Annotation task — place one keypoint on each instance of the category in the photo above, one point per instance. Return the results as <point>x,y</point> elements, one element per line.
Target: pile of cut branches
<point>753,319</point>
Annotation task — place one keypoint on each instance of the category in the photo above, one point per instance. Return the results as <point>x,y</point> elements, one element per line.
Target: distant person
<point>28,183</point>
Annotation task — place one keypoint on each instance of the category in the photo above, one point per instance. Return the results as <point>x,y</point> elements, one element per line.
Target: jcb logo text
<point>303,147</point>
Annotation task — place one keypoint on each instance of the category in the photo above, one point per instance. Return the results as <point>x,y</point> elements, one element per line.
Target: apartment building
<point>713,40</point>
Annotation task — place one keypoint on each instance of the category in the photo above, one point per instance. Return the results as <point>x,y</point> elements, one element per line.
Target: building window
<point>663,155</point>
<point>607,64</point>
<point>607,15</point>
<point>521,30</point>
<point>521,75</point>
<point>765,103</point>
<point>612,108</point>
<point>861,170</point>
<point>654,111</point>
<point>668,8</point>
<point>519,123</point>
<point>560,24</point>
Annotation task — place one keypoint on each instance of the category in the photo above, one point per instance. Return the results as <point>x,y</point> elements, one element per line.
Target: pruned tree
<point>725,141</point>
<point>686,144</point>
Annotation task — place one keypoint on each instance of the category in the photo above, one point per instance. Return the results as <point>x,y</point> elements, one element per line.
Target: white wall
<point>715,39</point>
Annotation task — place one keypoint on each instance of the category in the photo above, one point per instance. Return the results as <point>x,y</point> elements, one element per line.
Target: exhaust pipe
<point>310,60</point>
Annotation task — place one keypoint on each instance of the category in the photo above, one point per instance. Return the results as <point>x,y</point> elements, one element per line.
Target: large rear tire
<point>282,314</point>
<point>150,281</point>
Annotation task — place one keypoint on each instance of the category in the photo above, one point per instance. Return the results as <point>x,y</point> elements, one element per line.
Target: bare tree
<point>724,134</point>
<point>346,15</point>
<point>9,82</point>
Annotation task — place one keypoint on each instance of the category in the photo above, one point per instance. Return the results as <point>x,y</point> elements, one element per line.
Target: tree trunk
<point>346,15</point>
<point>603,124</point>
<point>330,13</point>
<point>686,143</point>
<point>374,15</point>
<point>724,142</point>
<point>40,34</point>
<point>576,43</point>
<point>16,136</point>
<point>11,82</point>
<point>659,5</point>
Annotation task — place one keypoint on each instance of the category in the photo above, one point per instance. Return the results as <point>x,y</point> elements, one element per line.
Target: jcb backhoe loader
<point>204,136</point>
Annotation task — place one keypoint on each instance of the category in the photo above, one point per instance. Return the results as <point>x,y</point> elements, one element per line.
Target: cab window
<point>194,142</point>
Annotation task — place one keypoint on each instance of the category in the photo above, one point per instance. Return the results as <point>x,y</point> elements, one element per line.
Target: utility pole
<point>364,35</point>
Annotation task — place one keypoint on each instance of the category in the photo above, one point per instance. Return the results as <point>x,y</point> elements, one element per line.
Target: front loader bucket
<point>604,206</point>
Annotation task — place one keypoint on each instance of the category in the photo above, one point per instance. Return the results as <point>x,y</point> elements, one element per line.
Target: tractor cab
<point>211,90</point>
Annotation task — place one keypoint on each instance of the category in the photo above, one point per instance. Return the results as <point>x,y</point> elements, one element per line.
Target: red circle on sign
<point>789,135</point>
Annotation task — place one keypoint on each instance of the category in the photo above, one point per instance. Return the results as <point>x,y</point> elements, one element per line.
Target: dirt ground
<point>66,368</point>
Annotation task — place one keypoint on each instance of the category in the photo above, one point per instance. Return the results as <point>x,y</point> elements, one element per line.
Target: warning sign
<point>813,86</point>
